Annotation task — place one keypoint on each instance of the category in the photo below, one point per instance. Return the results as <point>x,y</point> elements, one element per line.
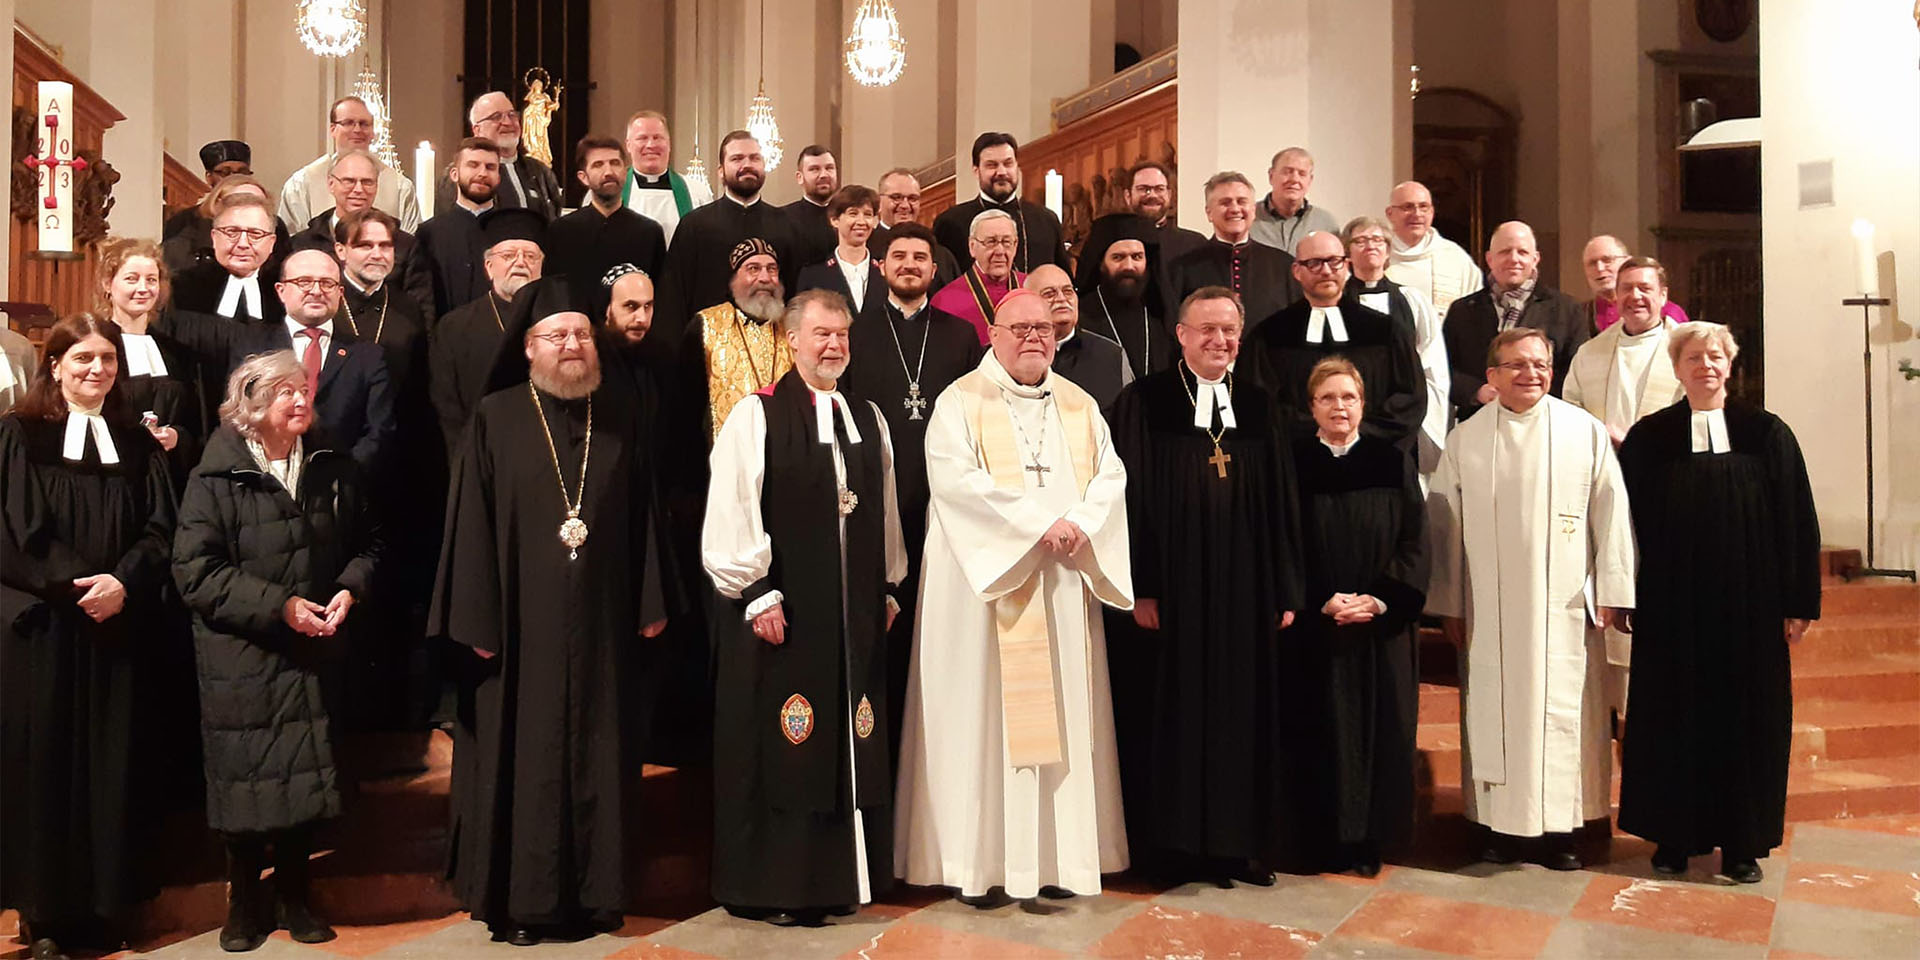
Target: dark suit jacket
<point>827,276</point>
<point>544,195</point>
<point>1472,322</point>
<point>1042,240</point>
<point>410,270</point>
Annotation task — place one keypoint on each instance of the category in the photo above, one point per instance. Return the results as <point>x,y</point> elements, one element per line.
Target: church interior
<point>1766,151</point>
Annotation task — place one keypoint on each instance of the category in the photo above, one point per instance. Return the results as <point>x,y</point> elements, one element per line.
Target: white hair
<point>1693,331</point>
<point>252,386</point>
<point>985,217</point>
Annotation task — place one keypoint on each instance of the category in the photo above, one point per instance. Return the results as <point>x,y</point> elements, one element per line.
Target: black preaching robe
<point>539,784</point>
<point>953,349</point>
<point>584,244</point>
<point>697,274</point>
<point>783,824</point>
<point>1094,364</point>
<point>174,398</point>
<point>1354,689</point>
<point>75,728</point>
<point>1261,275</point>
<point>1140,328</point>
<point>1729,549</point>
<point>1200,751</point>
<point>1037,229</point>
<point>1382,349</point>
<point>460,358</point>
<point>812,230</point>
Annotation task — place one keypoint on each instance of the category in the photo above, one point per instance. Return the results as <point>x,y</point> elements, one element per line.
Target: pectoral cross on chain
<point>914,402</point>
<point>1220,459</point>
<point>1039,471</point>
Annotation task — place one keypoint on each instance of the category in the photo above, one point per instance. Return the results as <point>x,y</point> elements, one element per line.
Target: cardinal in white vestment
<point>1532,554</point>
<point>1008,772</point>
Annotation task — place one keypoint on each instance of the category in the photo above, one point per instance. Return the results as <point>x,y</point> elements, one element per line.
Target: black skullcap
<point>222,151</point>
<point>512,223</point>
<point>750,247</point>
<point>535,302</point>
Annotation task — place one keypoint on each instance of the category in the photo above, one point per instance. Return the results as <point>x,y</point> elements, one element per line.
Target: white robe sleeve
<point>1106,563</point>
<point>1447,583</point>
<point>1611,526</point>
<point>409,202</point>
<point>896,540</point>
<point>734,546</point>
<point>293,201</point>
<point>1433,362</point>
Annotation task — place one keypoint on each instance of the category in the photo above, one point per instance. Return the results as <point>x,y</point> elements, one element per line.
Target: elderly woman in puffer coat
<point>275,544</point>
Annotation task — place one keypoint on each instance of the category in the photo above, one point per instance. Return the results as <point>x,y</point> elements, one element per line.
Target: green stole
<point>681,198</point>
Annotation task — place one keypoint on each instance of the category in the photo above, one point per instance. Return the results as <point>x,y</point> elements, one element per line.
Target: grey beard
<point>763,306</point>
<point>564,386</point>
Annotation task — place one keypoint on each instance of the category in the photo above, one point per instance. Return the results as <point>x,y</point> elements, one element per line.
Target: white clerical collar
<point>81,422</point>
<point>650,177</point>
<point>1208,396</point>
<point>355,284</point>
<point>1710,431</point>
<point>1062,341</point>
<point>143,355</point>
<point>824,403</point>
<point>460,200</point>
<point>1325,320</point>
<point>294,327</point>
<point>743,203</point>
<point>238,288</point>
<point>1338,449</point>
<point>815,202</point>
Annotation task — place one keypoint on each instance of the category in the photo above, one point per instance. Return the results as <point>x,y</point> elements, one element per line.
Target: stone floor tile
<point>1842,933</point>
<point>1448,926</point>
<point>1578,939</point>
<point>467,938</point>
<point>1339,947</point>
<point>654,951</point>
<point>923,941</point>
<point>206,946</point>
<point>1521,886</point>
<point>723,935</point>
<point>1908,825</point>
<point>1162,931</point>
<point>1071,926</point>
<point>1676,907</point>
<point>365,941</point>
<point>1309,903</point>
<point>1827,842</point>
<point>1704,872</point>
<point>1860,888</point>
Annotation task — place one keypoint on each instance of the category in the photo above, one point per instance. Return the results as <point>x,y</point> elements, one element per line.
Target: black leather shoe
<point>1052,892</point>
<point>1742,871</point>
<point>523,937</point>
<point>1563,860</point>
<point>1251,873</point>
<point>302,925</point>
<point>47,948</point>
<point>986,901</point>
<point>1366,865</point>
<point>1494,853</point>
<point>1669,862</point>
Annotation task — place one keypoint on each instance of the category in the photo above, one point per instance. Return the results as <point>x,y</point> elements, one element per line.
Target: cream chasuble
<point>1008,772</point>
<point>1530,534</point>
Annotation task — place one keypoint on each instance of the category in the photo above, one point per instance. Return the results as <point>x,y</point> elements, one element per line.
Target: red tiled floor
<point>369,940</point>
<point>1162,931</point>
<point>1908,826</point>
<point>1794,955</point>
<point>1675,907</point>
<point>1884,890</point>
<point>919,941</point>
<point>654,951</point>
<point>1449,926</point>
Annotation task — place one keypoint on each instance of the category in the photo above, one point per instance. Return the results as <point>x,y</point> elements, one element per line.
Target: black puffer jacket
<point>244,546</point>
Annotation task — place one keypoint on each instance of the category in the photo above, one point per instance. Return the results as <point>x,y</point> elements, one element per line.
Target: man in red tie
<point>347,378</point>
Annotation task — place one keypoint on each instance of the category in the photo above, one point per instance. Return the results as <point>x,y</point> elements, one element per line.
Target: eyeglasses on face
<point>1027,331</point>
<point>354,124</point>
<point>248,234</point>
<point>997,243</point>
<point>1368,240</point>
<point>499,116</point>
<point>528,257</point>
<point>564,337</point>
<point>1412,207</point>
<point>1318,264</point>
<point>312,284</point>
<point>1517,367</point>
<point>909,198</point>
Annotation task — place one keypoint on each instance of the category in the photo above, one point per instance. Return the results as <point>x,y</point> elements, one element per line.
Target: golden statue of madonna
<point>538,113</point>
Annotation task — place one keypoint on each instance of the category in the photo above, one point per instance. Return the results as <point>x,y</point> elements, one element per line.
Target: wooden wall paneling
<point>65,286</point>
<point>180,187</point>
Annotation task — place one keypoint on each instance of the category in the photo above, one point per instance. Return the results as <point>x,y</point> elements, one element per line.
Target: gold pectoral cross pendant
<point>573,533</point>
<point>1219,460</point>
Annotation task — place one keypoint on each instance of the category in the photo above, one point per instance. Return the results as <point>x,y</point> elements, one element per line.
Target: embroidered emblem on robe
<point>796,719</point>
<point>863,719</point>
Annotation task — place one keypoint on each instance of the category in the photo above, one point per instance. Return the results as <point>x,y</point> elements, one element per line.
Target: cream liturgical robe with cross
<point>1008,771</point>
<point>1530,533</point>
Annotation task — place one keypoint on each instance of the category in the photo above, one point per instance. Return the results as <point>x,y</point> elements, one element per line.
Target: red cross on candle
<point>48,160</point>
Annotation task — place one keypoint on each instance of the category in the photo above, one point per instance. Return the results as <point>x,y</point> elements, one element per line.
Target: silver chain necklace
<point>913,402</point>
<point>1146,332</point>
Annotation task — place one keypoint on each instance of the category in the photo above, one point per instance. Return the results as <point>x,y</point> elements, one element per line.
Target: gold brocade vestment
<point>743,355</point>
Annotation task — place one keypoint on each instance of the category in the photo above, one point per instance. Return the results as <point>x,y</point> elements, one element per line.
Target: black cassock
<point>539,780</point>
<point>1381,348</point>
<point>75,728</point>
<point>697,275</point>
<point>1729,549</point>
<point>460,356</point>
<point>1261,275</point>
<point>584,244</point>
<point>783,812</point>
<point>175,400</point>
<point>1353,701</point>
<point>1200,751</point>
<point>1138,327</point>
<point>953,350</point>
<point>1094,364</point>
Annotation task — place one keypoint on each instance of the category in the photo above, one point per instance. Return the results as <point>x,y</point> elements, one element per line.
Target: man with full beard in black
<point>1126,305</point>
<point>697,274</point>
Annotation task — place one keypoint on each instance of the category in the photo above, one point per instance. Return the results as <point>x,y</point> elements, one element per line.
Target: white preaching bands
<point>230,298</point>
<point>143,356</point>
<point>1208,397</point>
<point>823,417</point>
<point>79,424</point>
<point>1326,320</point>
<point>1710,432</point>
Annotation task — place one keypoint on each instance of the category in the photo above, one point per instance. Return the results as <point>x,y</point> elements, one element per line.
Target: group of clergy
<point>973,565</point>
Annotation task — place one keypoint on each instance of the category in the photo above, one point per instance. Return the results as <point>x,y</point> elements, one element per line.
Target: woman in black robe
<point>1351,653</point>
<point>1729,578</point>
<point>159,377</point>
<point>86,516</point>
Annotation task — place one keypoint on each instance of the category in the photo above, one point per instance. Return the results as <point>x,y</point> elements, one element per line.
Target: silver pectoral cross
<point>1039,471</point>
<point>914,402</point>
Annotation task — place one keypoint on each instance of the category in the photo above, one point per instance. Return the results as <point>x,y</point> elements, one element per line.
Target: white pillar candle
<point>1056,190</point>
<point>54,143</point>
<point>424,179</point>
<point>1866,259</point>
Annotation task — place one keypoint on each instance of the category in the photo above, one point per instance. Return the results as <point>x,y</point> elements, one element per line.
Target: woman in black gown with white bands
<point>157,378</point>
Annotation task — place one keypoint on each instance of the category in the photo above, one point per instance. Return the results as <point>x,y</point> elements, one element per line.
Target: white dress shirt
<point>300,340</point>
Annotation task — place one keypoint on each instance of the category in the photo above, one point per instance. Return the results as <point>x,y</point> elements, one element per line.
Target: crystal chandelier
<point>760,121</point>
<point>876,53</point>
<point>368,88</point>
<point>331,28</point>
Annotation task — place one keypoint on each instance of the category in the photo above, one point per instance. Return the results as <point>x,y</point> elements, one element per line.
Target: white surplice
<point>1433,364</point>
<point>1530,532</point>
<point>964,817</point>
<point>737,552</point>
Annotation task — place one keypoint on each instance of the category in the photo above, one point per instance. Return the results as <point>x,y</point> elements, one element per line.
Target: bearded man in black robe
<point>465,340</point>
<point>1216,573</point>
<point>1126,305</point>
<point>698,273</point>
<point>543,575</point>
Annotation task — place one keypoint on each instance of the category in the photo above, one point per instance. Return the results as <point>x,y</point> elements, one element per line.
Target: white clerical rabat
<point>53,160</point>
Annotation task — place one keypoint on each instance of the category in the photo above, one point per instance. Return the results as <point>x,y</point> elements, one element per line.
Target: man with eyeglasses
<point>349,127</point>
<point>1149,197</point>
<point>238,283</point>
<point>452,246</point>
<point>993,240</point>
<point>1284,216</point>
<point>1530,488</point>
<point>1330,321</point>
<point>1368,241</point>
<point>524,180</point>
<point>1421,258</point>
<point>651,189</point>
<point>1601,258</point>
<point>1261,275</point>
<point>465,340</point>
<point>1008,772</point>
<point>351,181</point>
<point>1036,230</point>
<point>1517,298</point>
<point>899,193</point>
<point>1093,362</point>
